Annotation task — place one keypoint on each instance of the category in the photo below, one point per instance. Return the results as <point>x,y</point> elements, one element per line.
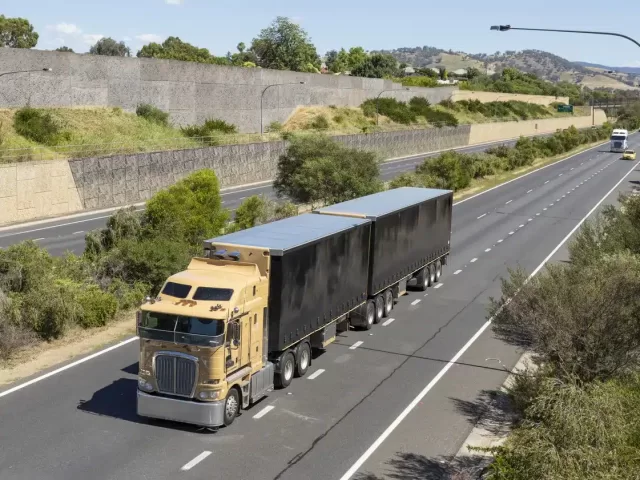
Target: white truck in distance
<point>619,140</point>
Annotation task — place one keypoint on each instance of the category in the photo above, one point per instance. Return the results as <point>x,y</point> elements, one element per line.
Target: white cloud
<point>67,28</point>
<point>149,37</point>
<point>174,2</point>
<point>91,39</point>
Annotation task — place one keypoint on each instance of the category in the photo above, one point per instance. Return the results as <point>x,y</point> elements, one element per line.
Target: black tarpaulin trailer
<point>411,228</point>
<point>318,273</point>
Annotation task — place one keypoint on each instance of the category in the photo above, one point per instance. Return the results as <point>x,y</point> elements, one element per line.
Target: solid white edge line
<point>66,367</point>
<point>318,372</point>
<point>415,302</point>
<point>391,320</point>
<point>354,468</point>
<point>97,354</point>
<point>356,345</point>
<point>263,412</point>
<point>195,461</point>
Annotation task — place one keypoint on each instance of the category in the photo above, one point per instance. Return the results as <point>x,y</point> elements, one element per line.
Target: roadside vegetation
<point>51,133</point>
<point>459,171</point>
<point>580,408</point>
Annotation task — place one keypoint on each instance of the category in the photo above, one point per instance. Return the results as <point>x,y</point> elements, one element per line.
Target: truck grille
<point>175,375</point>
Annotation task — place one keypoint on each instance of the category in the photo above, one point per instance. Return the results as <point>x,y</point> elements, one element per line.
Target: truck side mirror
<point>236,334</point>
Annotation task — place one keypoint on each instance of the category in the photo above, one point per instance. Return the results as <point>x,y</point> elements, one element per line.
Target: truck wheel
<point>287,367</point>
<point>303,360</point>
<point>231,406</point>
<point>432,275</point>
<point>379,309</point>
<point>370,315</point>
<point>388,302</point>
<point>438,271</point>
<point>422,279</point>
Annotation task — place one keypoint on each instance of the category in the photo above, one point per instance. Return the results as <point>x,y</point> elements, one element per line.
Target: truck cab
<point>201,341</point>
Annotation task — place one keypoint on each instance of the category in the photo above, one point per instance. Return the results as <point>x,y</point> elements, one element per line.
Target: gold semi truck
<point>245,317</point>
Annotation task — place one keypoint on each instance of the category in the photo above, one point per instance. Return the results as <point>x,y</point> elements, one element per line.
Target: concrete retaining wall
<point>190,92</point>
<point>491,132</point>
<point>486,97</point>
<point>33,190</point>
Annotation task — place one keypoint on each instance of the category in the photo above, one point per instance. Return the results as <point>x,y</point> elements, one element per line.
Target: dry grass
<point>78,342</point>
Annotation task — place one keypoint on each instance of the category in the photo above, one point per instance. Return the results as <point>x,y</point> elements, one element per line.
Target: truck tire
<point>287,367</point>
<point>304,359</point>
<point>422,279</point>
<point>432,275</point>
<point>388,302</point>
<point>379,301</point>
<point>369,315</point>
<point>438,271</point>
<point>231,406</point>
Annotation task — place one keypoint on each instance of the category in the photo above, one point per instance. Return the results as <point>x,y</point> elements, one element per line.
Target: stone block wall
<point>190,92</point>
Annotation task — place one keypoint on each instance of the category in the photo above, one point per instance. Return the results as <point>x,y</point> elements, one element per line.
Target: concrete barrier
<point>34,190</point>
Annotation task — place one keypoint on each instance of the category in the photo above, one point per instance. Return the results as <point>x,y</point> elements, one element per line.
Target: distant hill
<point>543,64</point>
<point>632,70</point>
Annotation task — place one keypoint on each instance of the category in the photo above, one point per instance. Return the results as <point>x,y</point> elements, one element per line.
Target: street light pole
<point>378,98</point>
<point>262,98</point>
<point>504,28</point>
<point>25,71</point>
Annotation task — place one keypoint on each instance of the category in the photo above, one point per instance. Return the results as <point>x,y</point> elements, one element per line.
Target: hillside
<point>543,64</point>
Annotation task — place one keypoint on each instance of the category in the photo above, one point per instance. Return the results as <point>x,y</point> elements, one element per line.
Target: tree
<point>318,170</point>
<point>472,73</point>
<point>109,47</point>
<point>175,49</point>
<point>17,33</point>
<point>443,73</point>
<point>357,57</point>
<point>284,45</point>
<point>337,62</point>
<point>64,49</point>
<point>378,65</point>
<point>242,58</point>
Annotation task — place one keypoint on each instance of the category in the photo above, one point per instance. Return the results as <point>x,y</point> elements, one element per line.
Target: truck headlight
<point>210,395</point>
<point>144,385</point>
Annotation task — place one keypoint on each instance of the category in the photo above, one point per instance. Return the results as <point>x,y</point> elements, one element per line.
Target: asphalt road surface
<point>393,402</point>
<point>68,234</point>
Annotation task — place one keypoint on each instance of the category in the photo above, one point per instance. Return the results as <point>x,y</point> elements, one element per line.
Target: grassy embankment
<point>58,133</point>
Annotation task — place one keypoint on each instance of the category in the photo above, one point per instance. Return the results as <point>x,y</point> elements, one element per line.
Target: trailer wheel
<point>388,302</point>
<point>287,367</point>
<point>370,315</point>
<point>379,301</point>
<point>231,406</point>
<point>304,359</point>
<point>438,270</point>
<point>432,275</point>
<point>422,279</point>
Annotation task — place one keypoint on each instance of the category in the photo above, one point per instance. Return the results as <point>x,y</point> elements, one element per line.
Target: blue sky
<point>374,24</point>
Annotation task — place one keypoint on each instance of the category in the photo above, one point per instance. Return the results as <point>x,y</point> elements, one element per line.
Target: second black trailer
<point>410,238</point>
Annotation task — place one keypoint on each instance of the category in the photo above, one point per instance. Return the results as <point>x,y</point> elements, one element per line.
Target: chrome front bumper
<point>210,414</point>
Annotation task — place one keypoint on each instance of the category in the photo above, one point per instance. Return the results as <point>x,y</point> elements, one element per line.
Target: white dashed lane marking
<point>355,345</point>
<point>388,322</point>
<point>320,371</point>
<point>415,302</point>
<point>265,410</point>
<point>473,260</point>
<point>188,466</point>
<point>484,214</point>
<point>439,285</point>
<point>457,272</point>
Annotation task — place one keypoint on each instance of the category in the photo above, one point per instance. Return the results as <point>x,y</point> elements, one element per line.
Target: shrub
<point>152,114</point>
<point>391,108</point>
<point>319,123</point>
<point>98,307</point>
<point>209,131</point>
<point>581,321</point>
<point>448,103</point>
<point>275,127</point>
<point>285,210</point>
<point>406,179</point>
<point>251,212</point>
<point>448,168</point>
<point>39,125</point>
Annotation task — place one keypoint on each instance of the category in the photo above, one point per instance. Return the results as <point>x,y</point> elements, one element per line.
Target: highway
<point>393,402</point>
<point>59,235</point>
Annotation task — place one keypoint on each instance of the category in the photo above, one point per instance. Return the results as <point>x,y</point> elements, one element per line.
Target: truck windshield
<point>204,332</point>
<point>618,137</point>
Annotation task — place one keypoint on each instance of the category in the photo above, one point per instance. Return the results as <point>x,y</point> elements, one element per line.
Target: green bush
<point>97,307</point>
<point>40,126</point>
<point>319,123</point>
<point>251,212</point>
<point>285,210</point>
<point>275,127</point>
<point>152,114</point>
<point>391,108</point>
<point>448,167</point>
<point>209,132</point>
